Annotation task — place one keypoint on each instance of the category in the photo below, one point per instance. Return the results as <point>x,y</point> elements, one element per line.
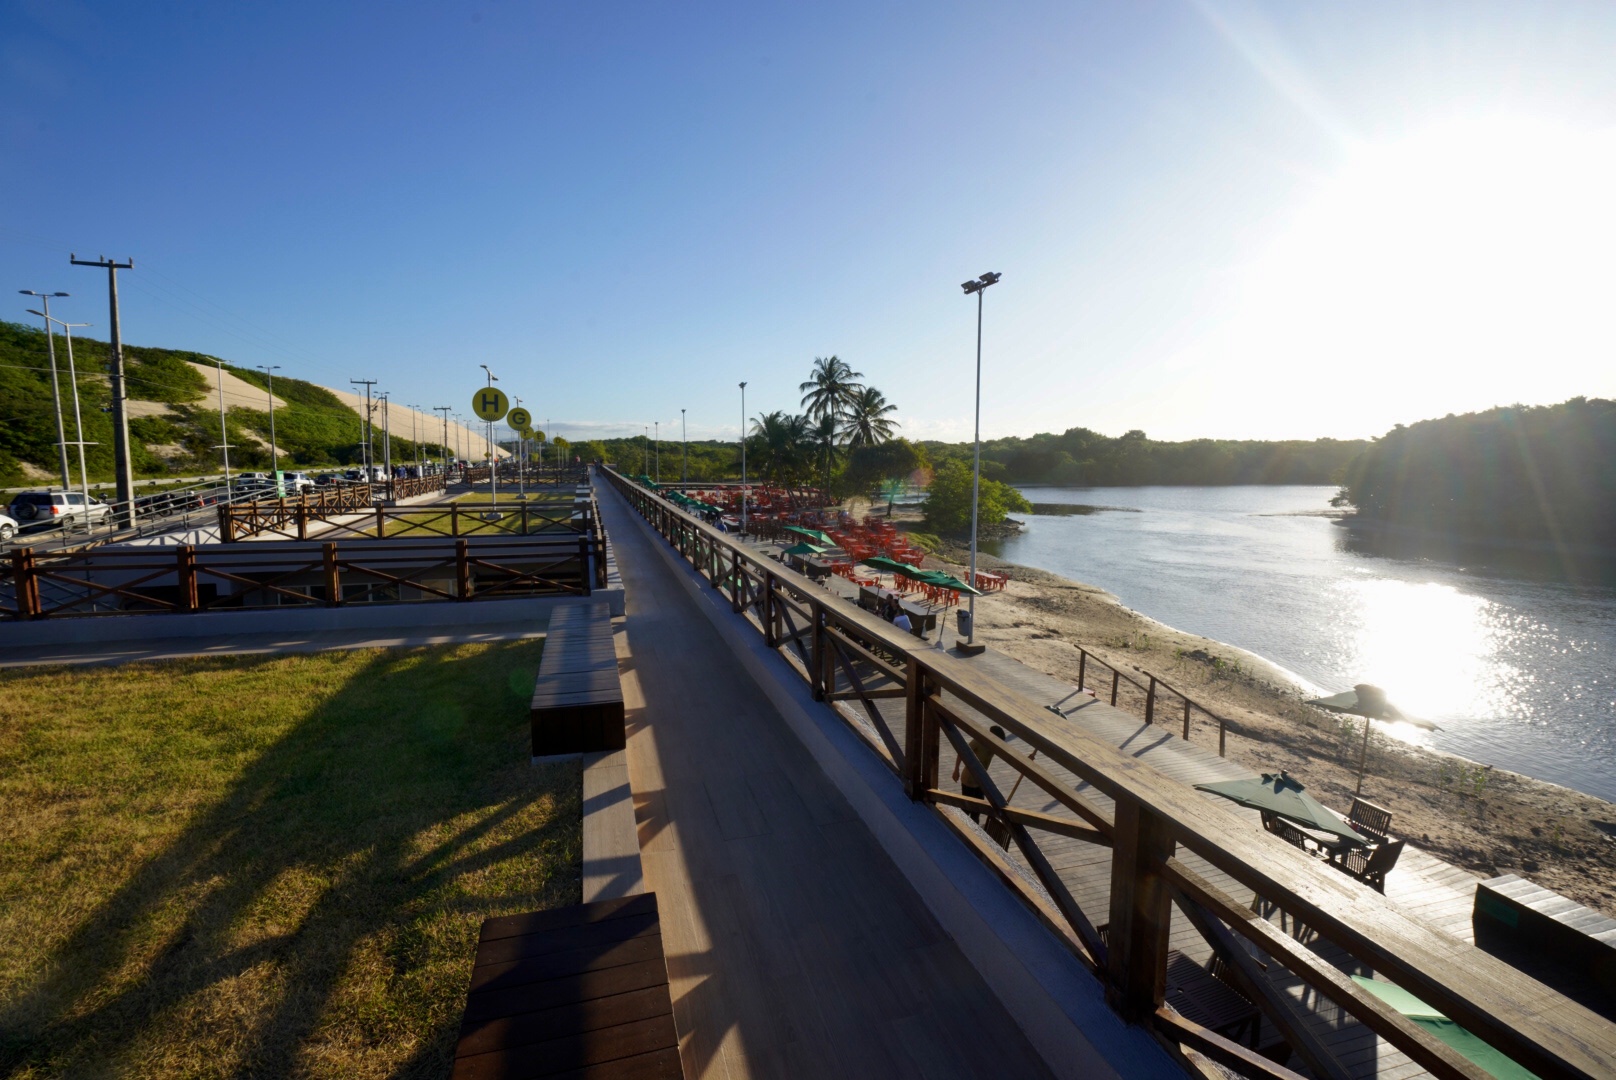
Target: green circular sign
<point>491,404</point>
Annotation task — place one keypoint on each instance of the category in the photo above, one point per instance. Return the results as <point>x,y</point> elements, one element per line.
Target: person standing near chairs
<point>983,752</point>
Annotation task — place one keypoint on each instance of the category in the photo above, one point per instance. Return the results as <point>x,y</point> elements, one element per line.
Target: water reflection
<point>1510,666</point>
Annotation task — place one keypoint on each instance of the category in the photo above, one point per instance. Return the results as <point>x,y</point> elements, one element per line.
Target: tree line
<point>1517,473</point>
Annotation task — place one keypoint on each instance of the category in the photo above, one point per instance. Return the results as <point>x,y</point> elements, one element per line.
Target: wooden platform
<point>795,948</point>
<point>577,991</point>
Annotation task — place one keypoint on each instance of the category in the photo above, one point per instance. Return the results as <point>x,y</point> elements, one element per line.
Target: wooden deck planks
<point>794,946</point>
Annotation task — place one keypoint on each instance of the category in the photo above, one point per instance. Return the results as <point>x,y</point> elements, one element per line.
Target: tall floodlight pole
<point>493,455</point>
<point>123,468</point>
<point>56,387</point>
<point>743,459</point>
<point>444,409</point>
<point>274,454</point>
<point>658,458</point>
<point>224,434</point>
<point>977,287</point>
<point>368,457</point>
<point>521,458</point>
<point>78,418</point>
<point>684,451</point>
<point>645,450</point>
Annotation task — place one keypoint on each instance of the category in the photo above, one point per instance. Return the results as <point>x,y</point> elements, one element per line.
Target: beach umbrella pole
<point>1363,757</point>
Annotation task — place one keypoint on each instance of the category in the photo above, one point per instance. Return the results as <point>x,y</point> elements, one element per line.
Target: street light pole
<point>521,458</point>
<point>493,454</point>
<point>56,387</point>
<point>743,459</point>
<point>78,418</point>
<point>978,287</point>
<point>224,433</point>
<point>658,451</point>
<point>684,451</point>
<point>645,450</point>
<point>444,409</point>
<point>274,454</point>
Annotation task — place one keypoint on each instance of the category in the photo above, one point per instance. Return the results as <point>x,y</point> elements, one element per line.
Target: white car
<point>8,528</point>
<point>295,482</point>
<point>67,509</point>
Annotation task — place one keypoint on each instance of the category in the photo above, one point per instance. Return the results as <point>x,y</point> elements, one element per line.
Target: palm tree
<point>825,435</point>
<point>866,422</point>
<point>830,389</point>
<point>780,443</point>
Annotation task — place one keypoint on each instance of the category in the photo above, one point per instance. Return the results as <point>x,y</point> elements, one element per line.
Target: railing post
<point>333,580</point>
<point>817,659</point>
<point>1186,718</point>
<point>1220,736</point>
<point>1141,909</point>
<point>185,561</point>
<point>1082,666</point>
<point>26,581</point>
<point>454,519</point>
<point>227,532</point>
<point>1115,678</point>
<point>584,578</point>
<point>770,637</point>
<point>524,519</point>
<point>1150,702</point>
<point>303,519</point>
<point>462,571</point>
<point>920,734</point>
<point>381,522</point>
<point>735,600</point>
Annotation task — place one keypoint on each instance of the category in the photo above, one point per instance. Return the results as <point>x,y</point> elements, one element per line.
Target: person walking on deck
<point>967,781</point>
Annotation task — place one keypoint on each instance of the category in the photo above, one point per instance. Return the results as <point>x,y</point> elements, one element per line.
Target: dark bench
<point>1539,930</point>
<point>581,990</point>
<point>578,699</point>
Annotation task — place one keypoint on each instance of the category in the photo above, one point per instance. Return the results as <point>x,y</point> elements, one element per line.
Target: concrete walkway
<point>795,947</point>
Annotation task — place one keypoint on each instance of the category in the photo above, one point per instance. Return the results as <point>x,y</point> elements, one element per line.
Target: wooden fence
<point>856,661</point>
<point>191,579</point>
<point>383,522</point>
<point>1147,694</point>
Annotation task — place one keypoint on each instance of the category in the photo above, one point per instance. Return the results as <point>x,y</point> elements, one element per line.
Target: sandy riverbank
<point>1485,819</point>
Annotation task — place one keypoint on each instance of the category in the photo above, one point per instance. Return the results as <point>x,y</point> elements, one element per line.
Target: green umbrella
<point>813,534</point>
<point>805,548</point>
<point>892,566</point>
<point>947,581</point>
<point>1439,1025</point>
<point>1370,703</point>
<point>1277,793</point>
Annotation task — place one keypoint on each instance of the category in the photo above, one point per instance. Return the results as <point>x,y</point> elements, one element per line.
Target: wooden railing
<point>1152,826</point>
<point>1147,694</point>
<point>191,579</point>
<point>383,522</point>
<point>240,520</point>
<point>409,487</point>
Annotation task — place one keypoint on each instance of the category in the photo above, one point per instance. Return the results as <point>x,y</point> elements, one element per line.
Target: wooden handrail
<point>1156,819</point>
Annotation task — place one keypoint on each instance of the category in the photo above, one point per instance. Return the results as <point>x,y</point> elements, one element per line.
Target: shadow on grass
<point>322,915</point>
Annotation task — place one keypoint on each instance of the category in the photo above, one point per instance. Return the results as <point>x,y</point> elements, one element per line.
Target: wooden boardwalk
<point>794,946</point>
<point>1437,893</point>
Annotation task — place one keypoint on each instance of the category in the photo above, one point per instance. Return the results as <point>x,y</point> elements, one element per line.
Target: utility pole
<point>224,434</point>
<point>369,454</point>
<point>123,469</point>
<point>387,439</point>
<point>56,385</point>
<point>269,371</point>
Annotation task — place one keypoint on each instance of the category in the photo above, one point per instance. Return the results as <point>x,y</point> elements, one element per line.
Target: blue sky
<point>1214,219</point>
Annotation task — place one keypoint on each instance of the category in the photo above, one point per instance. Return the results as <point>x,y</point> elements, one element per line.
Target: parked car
<point>326,479</point>
<point>295,482</point>
<point>8,528</point>
<point>67,509</point>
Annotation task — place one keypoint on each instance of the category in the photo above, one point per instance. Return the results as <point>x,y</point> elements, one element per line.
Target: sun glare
<point>1465,267</point>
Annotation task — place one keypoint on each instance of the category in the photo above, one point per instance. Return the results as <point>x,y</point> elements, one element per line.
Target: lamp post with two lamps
<point>743,459</point>
<point>976,288</point>
<point>78,417</point>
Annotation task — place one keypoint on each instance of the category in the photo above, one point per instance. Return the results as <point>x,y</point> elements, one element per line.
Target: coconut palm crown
<point>866,422</point>
<point>831,387</point>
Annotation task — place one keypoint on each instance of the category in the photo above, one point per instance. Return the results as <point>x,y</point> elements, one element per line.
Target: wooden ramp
<point>795,948</point>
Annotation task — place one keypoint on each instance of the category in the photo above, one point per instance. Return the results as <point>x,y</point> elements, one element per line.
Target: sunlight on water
<point>1512,668</point>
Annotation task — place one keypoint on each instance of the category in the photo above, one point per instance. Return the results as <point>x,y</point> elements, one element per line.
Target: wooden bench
<point>1540,925</point>
<point>578,699</point>
<point>578,991</point>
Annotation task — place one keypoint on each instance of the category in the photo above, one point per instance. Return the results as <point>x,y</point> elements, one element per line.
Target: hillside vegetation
<point>315,428</point>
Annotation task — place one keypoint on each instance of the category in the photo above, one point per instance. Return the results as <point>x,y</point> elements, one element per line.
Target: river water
<point>1515,670</point>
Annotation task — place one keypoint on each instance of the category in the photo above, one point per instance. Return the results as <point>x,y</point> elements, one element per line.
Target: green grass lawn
<point>266,866</point>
